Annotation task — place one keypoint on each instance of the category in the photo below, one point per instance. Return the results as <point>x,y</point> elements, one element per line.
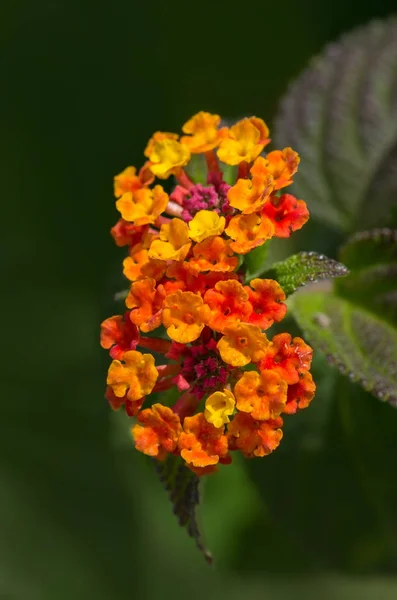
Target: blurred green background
<point>82,515</point>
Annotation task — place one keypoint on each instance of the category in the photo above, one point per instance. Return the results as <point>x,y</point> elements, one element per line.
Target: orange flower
<point>171,286</point>
<point>129,181</point>
<point>182,316</point>
<point>131,408</point>
<point>204,224</point>
<point>250,195</point>
<point>138,265</point>
<point>300,394</point>
<point>127,234</point>
<point>201,444</point>
<point>283,164</point>
<point>290,358</point>
<point>266,298</point>
<point>138,375</point>
<point>206,281</point>
<point>260,170</point>
<point>262,395</point>
<point>226,304</point>
<point>143,206</point>
<point>147,302</point>
<point>245,141</point>
<point>252,437</point>
<point>249,231</point>
<point>198,283</point>
<point>174,243</point>
<point>159,431</point>
<point>200,471</point>
<point>286,213</point>
<point>204,132</point>
<point>241,344</point>
<point>120,335</point>
<point>166,154</point>
<point>213,254</point>
<point>262,128</point>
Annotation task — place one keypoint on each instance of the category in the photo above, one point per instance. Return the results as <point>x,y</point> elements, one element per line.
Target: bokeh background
<point>84,85</point>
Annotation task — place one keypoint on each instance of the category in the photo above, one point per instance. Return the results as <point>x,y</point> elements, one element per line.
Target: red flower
<point>119,334</point>
<point>252,437</point>
<point>300,394</point>
<point>287,214</point>
<point>132,407</point>
<point>287,357</point>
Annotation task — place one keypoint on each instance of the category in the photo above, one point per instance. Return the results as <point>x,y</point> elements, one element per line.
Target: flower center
<point>201,198</point>
<point>189,319</point>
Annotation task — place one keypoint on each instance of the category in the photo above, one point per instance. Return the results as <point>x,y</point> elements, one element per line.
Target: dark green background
<point>84,84</point>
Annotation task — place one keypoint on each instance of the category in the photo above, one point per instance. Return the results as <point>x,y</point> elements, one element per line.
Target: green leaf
<point>303,268</point>
<point>372,283</point>
<point>368,248</point>
<point>360,344</point>
<point>341,116</point>
<point>183,488</point>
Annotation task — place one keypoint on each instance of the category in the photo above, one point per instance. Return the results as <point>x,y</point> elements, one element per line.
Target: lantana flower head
<point>195,322</point>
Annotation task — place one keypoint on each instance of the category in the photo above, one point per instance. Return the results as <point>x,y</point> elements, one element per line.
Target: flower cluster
<point>188,282</point>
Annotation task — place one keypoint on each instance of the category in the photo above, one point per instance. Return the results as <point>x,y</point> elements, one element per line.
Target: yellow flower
<point>241,344</point>
<point>138,375</point>
<point>174,243</point>
<point>182,316</point>
<point>142,206</point>
<point>159,136</point>
<point>204,224</point>
<point>204,132</point>
<point>218,408</point>
<point>245,141</point>
<point>166,155</point>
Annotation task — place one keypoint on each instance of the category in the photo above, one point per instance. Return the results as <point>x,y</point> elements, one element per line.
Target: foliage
<point>303,268</point>
<point>341,116</point>
<point>360,344</point>
<point>347,136</point>
<point>372,258</point>
<point>183,487</point>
